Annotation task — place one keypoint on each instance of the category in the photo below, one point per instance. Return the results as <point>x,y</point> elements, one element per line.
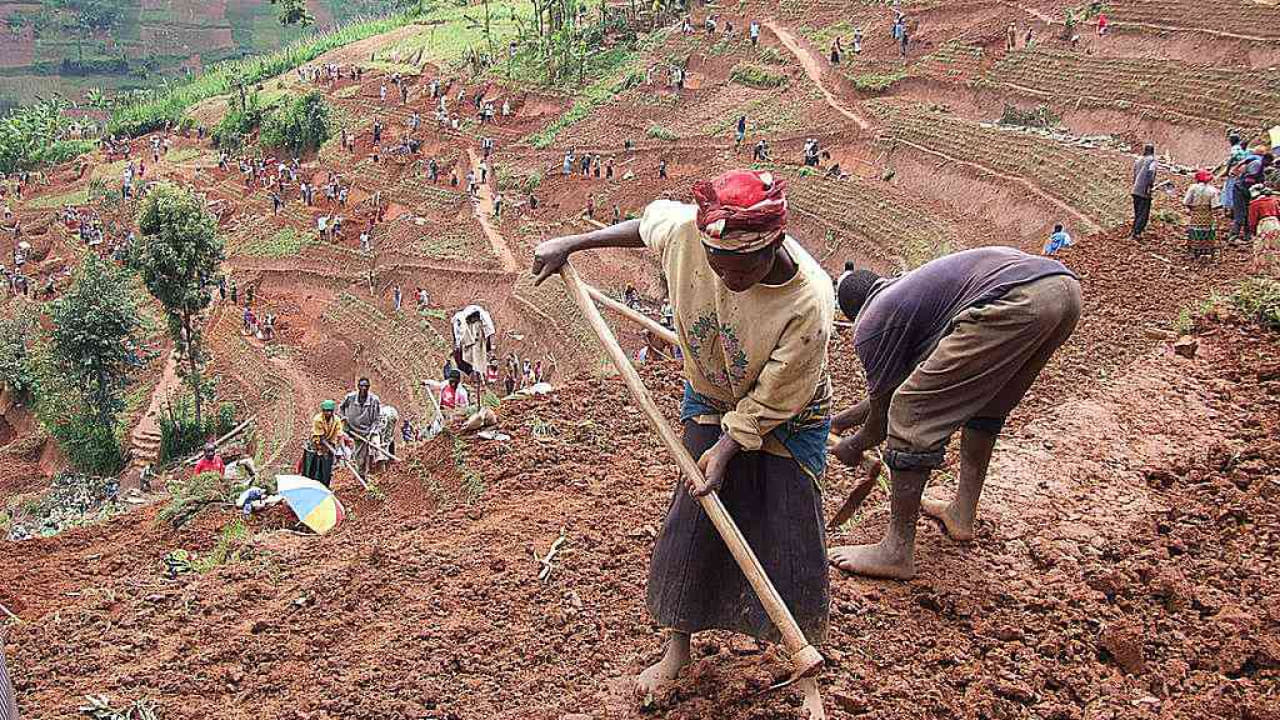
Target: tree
<point>301,126</point>
<point>178,253</point>
<point>293,12</point>
<point>91,325</point>
<point>82,371</point>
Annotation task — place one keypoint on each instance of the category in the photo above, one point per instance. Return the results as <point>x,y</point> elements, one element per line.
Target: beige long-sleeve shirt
<point>762,352</point>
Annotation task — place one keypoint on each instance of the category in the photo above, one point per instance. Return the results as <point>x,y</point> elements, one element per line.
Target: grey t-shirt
<point>905,317</point>
<point>360,417</point>
<point>1144,175</point>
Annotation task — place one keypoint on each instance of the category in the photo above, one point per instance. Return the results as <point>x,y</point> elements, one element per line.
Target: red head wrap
<point>742,210</point>
<point>1203,176</point>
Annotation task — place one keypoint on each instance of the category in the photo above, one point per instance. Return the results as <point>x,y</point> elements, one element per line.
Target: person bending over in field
<point>952,345</point>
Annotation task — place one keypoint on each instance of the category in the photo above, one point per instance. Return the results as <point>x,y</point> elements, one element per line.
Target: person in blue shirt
<point>1058,240</point>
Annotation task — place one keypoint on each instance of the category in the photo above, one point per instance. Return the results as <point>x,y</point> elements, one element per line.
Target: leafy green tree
<point>301,126</point>
<point>178,253</point>
<point>293,12</point>
<point>83,370</point>
<point>18,327</point>
<point>91,325</point>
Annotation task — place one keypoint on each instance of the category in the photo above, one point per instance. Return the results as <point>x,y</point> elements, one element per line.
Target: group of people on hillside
<point>1243,191</point>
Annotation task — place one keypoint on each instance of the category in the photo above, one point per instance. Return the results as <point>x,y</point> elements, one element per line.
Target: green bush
<point>90,446</point>
<point>188,495</point>
<point>658,132</point>
<point>300,127</point>
<point>1259,298</point>
<point>877,82</point>
<point>756,77</point>
<point>181,435</point>
<point>17,323</point>
<point>238,123</point>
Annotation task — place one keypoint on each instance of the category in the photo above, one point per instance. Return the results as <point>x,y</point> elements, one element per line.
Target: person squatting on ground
<point>952,345</point>
<point>753,313</point>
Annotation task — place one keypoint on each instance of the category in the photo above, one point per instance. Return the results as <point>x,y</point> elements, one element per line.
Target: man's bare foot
<point>649,682</point>
<point>945,513</point>
<point>812,701</point>
<point>882,560</point>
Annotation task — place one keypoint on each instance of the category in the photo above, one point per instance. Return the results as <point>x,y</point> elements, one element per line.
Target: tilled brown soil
<point>1077,600</point>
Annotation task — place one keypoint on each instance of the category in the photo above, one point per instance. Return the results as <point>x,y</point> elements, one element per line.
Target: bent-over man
<point>952,345</point>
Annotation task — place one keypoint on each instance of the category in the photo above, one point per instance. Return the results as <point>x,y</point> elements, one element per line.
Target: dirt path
<point>484,214</point>
<point>1206,31</point>
<point>813,68</point>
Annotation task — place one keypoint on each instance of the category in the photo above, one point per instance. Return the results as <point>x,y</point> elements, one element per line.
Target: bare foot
<point>649,682</point>
<point>944,512</point>
<point>812,701</point>
<point>877,561</point>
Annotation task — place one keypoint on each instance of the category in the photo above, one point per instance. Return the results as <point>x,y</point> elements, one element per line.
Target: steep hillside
<point>1125,560</point>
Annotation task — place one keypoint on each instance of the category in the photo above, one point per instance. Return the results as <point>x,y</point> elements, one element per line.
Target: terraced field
<point>1220,16</point>
<point>1092,182</point>
<point>1221,95</point>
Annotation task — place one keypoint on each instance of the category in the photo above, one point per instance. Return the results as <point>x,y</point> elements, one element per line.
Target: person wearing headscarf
<point>326,437</point>
<point>1203,202</point>
<point>753,313</point>
<point>950,346</point>
<point>1264,226</point>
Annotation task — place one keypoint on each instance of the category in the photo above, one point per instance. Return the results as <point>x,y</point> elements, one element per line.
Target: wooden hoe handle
<point>805,658</point>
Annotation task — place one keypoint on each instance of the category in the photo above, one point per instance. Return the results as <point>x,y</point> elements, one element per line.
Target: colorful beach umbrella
<point>314,504</point>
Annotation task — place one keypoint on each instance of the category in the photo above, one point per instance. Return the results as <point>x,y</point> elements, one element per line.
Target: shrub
<point>17,323</point>
<point>188,496</point>
<point>237,124</point>
<point>756,77</point>
<point>301,127</point>
<point>658,132</point>
<point>181,435</point>
<point>1040,116</point>
<point>1259,298</point>
<point>877,82</point>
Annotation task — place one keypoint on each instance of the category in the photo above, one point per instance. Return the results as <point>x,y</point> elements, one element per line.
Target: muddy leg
<point>958,516</point>
<point>892,557</point>
<point>666,669</point>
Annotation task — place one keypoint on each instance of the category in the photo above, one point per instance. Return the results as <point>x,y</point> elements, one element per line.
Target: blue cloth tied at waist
<point>804,435</point>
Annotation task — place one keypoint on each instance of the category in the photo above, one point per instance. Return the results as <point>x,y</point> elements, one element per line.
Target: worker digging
<point>753,314</point>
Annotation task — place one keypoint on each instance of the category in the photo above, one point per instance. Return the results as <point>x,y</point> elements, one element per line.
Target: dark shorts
<point>695,584</point>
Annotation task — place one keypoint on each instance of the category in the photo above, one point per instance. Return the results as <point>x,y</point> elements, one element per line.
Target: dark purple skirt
<point>694,583</point>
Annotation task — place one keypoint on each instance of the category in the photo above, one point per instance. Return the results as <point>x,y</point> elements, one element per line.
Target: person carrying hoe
<point>753,313</point>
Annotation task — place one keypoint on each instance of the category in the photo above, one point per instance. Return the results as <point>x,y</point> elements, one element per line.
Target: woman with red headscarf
<point>753,314</point>
<point>1203,202</point>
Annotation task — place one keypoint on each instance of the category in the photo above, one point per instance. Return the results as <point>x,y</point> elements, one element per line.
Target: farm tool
<point>805,658</point>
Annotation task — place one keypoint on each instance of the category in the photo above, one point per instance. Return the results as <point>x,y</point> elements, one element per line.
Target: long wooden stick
<point>639,318</point>
<point>350,466</point>
<point>234,431</point>
<point>805,658</point>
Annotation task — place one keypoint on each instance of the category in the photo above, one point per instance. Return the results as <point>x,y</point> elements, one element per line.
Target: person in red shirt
<point>211,462</point>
